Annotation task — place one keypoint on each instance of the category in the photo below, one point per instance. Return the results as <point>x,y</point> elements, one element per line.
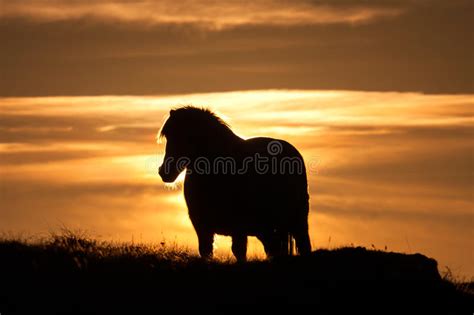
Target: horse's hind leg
<point>239,247</point>
<point>205,239</point>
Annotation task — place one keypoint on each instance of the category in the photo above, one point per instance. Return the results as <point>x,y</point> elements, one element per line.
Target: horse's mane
<point>196,119</point>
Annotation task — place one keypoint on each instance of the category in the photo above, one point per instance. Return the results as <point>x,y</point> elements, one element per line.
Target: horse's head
<point>190,132</point>
<point>179,147</point>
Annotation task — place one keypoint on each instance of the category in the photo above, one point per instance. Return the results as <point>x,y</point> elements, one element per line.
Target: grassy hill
<point>73,274</point>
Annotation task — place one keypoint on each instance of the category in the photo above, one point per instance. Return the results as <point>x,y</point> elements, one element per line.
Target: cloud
<point>53,128</point>
<point>208,14</point>
<point>42,156</point>
<point>383,209</point>
<point>426,48</point>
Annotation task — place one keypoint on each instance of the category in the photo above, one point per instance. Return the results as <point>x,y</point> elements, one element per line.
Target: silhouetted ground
<point>71,274</point>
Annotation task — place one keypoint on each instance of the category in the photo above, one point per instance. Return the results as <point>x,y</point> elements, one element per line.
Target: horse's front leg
<point>206,240</point>
<point>239,247</point>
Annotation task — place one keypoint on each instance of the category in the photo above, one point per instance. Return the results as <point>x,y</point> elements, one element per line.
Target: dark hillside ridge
<point>83,276</point>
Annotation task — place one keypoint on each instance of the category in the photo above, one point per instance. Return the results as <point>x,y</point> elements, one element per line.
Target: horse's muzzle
<point>167,178</point>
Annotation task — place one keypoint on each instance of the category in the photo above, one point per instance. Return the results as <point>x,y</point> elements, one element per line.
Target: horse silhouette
<point>236,187</point>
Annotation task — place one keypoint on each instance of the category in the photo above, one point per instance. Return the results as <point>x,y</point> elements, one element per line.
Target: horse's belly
<point>240,207</point>
<point>235,217</point>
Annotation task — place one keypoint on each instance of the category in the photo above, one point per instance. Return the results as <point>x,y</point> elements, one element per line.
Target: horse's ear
<point>172,112</point>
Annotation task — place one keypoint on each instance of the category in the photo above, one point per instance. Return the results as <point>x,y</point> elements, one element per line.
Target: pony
<point>236,187</point>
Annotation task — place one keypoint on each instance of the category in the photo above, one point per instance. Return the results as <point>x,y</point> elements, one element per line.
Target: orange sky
<point>377,95</point>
